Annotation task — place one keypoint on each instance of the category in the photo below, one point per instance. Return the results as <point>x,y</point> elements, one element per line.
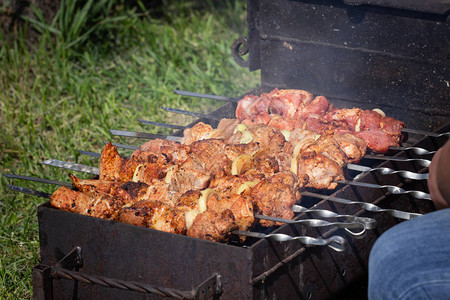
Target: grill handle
<point>43,275</point>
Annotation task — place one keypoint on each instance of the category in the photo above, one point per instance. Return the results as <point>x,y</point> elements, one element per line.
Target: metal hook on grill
<point>335,242</point>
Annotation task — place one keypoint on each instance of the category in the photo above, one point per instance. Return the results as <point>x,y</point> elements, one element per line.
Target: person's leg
<point>412,260</point>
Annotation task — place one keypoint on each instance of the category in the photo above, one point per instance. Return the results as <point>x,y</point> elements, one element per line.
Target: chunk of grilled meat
<point>155,215</point>
<point>155,190</point>
<point>240,206</point>
<point>273,199</point>
<point>115,168</point>
<point>290,109</point>
<point>94,186</point>
<point>161,152</point>
<point>212,225</point>
<point>96,205</point>
<point>199,131</point>
<point>322,172</point>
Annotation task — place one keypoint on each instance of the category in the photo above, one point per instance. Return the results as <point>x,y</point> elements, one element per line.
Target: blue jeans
<point>412,260</point>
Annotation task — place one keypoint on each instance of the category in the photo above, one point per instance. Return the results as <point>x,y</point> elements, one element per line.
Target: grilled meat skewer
<point>336,243</point>
<point>216,97</point>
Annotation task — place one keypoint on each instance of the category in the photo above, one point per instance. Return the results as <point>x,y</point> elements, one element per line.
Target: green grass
<point>65,93</point>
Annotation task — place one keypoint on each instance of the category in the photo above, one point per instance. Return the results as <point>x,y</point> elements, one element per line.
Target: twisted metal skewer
<point>369,223</point>
<point>316,223</point>
<point>335,242</point>
<point>420,161</point>
<point>389,171</point>
<point>366,206</point>
<point>415,150</point>
<point>390,188</point>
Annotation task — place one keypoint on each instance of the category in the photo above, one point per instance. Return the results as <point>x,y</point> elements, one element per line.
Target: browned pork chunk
<point>155,215</point>
<point>322,172</point>
<point>199,131</point>
<point>273,199</point>
<point>213,226</point>
<point>115,168</point>
<point>354,147</point>
<point>97,205</point>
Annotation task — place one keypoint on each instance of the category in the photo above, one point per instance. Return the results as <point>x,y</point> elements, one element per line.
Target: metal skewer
<point>388,171</point>
<point>179,127</point>
<point>421,132</point>
<point>422,162</point>
<point>382,170</point>
<point>316,223</point>
<point>390,188</point>
<point>89,153</point>
<point>36,179</point>
<point>364,205</point>
<point>335,242</point>
<point>145,135</point>
<point>29,191</point>
<point>71,166</point>
<point>369,223</point>
<point>190,113</point>
<point>415,150</point>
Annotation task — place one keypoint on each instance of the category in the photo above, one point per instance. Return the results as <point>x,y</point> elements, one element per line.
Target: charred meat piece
<point>147,172</point>
<point>161,151</point>
<point>320,170</point>
<point>327,146</point>
<point>228,185</point>
<point>96,205</point>
<point>212,225</point>
<point>252,106</point>
<point>115,168</point>
<point>240,206</point>
<point>273,199</point>
<point>70,200</point>
<point>353,146</point>
<point>93,186</point>
<point>228,126</point>
<point>264,136</point>
<point>155,215</point>
<point>199,131</point>
<point>190,175</point>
